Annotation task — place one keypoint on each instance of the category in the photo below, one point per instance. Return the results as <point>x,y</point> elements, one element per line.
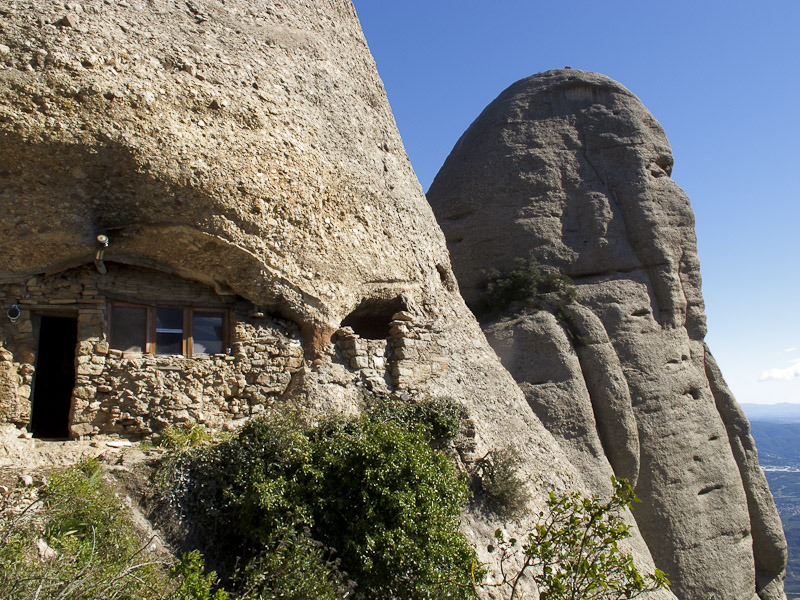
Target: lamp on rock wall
<point>13,313</point>
<point>102,241</point>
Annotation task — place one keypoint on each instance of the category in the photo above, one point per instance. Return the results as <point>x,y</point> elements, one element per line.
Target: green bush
<point>500,486</point>
<point>92,550</point>
<point>390,505</point>
<point>524,282</point>
<point>527,283</point>
<point>574,549</point>
<point>570,324</point>
<point>291,566</point>
<point>193,583</point>
<point>180,439</point>
<point>84,515</point>
<point>440,419</point>
<point>363,500</point>
<point>77,541</point>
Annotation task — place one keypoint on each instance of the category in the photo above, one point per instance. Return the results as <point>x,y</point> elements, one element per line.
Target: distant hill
<point>783,412</point>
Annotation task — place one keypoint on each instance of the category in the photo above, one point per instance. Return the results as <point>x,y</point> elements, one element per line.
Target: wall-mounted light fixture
<point>102,242</point>
<point>13,313</point>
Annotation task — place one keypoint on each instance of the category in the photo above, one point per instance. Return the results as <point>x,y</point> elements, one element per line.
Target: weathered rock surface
<point>249,146</point>
<point>569,168</point>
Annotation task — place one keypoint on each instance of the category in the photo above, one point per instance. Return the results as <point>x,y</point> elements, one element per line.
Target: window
<point>167,330</point>
<point>129,332</point>
<point>207,332</point>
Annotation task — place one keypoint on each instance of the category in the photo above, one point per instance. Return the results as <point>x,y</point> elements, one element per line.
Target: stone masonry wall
<point>138,394</point>
<point>402,363</point>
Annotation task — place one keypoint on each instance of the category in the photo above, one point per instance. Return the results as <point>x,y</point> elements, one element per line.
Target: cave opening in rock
<point>372,318</point>
<point>54,376</point>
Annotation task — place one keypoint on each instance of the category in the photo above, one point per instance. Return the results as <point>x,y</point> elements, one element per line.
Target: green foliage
<point>500,486</point>
<point>77,541</point>
<point>570,324</point>
<point>180,439</point>
<point>292,566</point>
<point>84,516</point>
<point>440,419</point>
<point>525,282</point>
<point>285,494</point>
<point>390,505</point>
<point>574,549</point>
<point>92,550</point>
<point>193,582</point>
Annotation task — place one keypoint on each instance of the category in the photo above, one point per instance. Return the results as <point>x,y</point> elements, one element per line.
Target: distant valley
<point>776,430</point>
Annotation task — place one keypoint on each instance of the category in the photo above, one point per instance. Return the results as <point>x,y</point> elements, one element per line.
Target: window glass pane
<point>128,326</point>
<point>207,333</point>
<point>169,331</point>
<point>169,320</point>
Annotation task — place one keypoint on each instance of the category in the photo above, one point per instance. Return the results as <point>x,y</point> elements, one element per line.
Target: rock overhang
<point>186,141</point>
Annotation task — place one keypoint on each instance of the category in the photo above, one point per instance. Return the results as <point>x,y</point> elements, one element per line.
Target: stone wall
<point>403,362</point>
<point>138,394</point>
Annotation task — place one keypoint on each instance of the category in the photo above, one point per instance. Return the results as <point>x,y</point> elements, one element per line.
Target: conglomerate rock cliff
<point>249,146</point>
<point>569,168</point>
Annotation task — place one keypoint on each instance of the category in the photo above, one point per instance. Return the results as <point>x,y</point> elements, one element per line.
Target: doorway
<point>54,377</point>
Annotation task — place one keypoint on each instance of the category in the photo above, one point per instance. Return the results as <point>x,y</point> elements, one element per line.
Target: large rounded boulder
<point>568,168</point>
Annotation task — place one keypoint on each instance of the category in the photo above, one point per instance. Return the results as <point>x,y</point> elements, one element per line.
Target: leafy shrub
<point>193,583</point>
<point>440,418</point>
<point>570,324</point>
<point>524,282</point>
<point>292,566</point>
<point>390,505</point>
<point>77,540</point>
<point>79,507</point>
<point>575,549</point>
<point>500,486</point>
<point>286,494</point>
<point>78,543</point>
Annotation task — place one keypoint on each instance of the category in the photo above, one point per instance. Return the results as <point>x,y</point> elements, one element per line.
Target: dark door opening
<point>54,377</point>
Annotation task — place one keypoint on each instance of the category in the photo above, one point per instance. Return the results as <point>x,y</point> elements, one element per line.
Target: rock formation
<point>569,168</point>
<point>239,155</point>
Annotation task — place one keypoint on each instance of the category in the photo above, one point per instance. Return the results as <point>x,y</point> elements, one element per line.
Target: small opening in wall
<point>54,377</point>
<point>372,318</point>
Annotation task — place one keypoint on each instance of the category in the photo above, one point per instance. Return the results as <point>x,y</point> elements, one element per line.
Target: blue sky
<point>723,79</point>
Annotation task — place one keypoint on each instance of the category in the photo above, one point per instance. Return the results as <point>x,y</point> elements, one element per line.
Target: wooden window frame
<point>187,342</point>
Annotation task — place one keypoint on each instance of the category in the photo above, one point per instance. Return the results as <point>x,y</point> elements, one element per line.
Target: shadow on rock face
<point>59,197</point>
